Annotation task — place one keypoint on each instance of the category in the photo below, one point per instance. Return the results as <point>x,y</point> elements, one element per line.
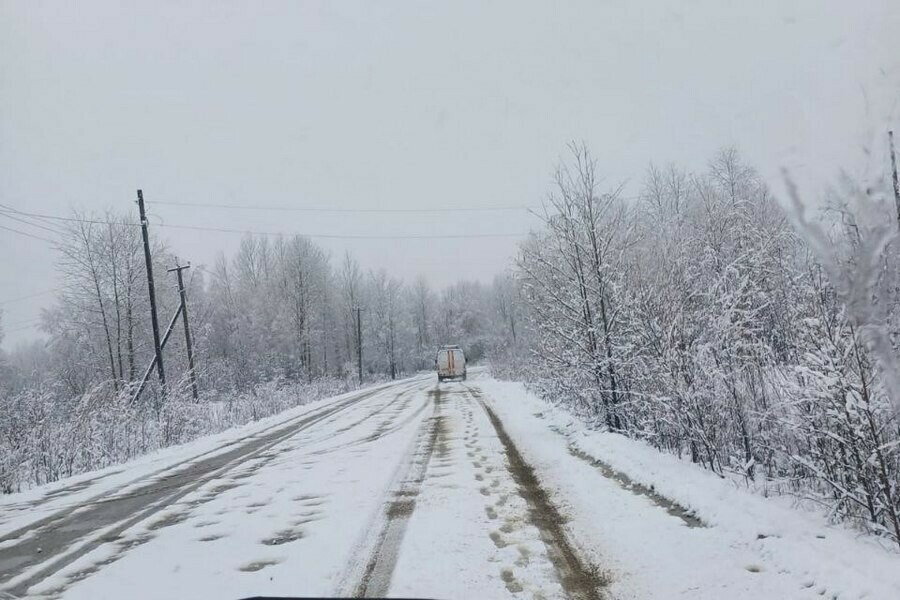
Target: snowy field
<point>457,490</point>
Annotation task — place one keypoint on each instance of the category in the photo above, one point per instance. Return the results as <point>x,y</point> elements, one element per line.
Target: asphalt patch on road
<point>284,537</point>
<point>400,508</point>
<point>258,565</point>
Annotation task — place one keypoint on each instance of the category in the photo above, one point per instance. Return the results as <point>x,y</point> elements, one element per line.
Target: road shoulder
<point>656,554</point>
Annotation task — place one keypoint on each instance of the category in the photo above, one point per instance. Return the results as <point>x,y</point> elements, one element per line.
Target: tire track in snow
<point>376,576</point>
<point>62,511</point>
<point>393,418</point>
<point>49,548</point>
<point>578,578</point>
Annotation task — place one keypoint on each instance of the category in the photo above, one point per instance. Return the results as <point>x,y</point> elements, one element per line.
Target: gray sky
<point>411,104</point>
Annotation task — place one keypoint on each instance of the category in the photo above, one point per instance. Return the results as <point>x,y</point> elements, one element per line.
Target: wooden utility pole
<point>894,170</point>
<point>325,324</point>
<point>157,347</point>
<point>150,367</point>
<point>359,342</point>
<point>187,328</point>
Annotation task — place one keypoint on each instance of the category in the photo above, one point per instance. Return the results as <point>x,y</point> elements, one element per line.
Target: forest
<point>753,336</point>
<point>272,327</point>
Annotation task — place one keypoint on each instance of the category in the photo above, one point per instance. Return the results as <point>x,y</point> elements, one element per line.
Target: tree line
<point>273,326</point>
<point>715,324</point>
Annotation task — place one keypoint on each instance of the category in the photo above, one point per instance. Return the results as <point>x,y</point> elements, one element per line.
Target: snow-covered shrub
<point>699,320</point>
<point>43,439</point>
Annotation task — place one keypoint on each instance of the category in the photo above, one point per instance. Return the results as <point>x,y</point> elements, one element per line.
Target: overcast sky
<point>420,104</point>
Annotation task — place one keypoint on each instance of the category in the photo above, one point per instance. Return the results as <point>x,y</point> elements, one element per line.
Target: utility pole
<point>152,365</point>
<point>187,329</point>
<point>359,342</point>
<point>894,169</point>
<point>325,324</point>
<point>157,347</point>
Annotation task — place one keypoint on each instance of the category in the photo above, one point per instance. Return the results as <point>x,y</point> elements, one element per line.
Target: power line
<point>73,219</point>
<point>322,209</point>
<point>6,214</point>
<point>280,233</point>
<point>34,221</point>
<point>31,235</point>
<point>346,237</point>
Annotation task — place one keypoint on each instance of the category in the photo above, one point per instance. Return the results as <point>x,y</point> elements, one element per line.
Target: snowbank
<point>773,537</point>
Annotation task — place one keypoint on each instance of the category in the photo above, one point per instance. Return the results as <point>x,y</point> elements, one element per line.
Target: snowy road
<point>409,489</point>
<point>50,544</point>
<point>406,490</point>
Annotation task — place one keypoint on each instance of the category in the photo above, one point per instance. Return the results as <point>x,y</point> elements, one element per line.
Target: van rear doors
<point>451,363</point>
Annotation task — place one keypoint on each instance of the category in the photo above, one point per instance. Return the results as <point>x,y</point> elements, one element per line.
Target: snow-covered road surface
<point>411,489</point>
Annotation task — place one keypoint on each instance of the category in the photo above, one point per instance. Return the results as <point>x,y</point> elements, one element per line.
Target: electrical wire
<point>322,209</point>
<point>37,237</point>
<point>278,233</point>
<point>6,214</point>
<point>73,219</point>
<point>34,221</point>
<point>345,236</point>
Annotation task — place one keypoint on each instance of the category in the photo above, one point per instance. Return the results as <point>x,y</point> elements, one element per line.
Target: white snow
<point>470,528</point>
<point>21,509</point>
<point>654,554</point>
<point>304,517</point>
<point>314,486</point>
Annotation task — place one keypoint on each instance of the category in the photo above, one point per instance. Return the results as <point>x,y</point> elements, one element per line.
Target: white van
<point>450,363</point>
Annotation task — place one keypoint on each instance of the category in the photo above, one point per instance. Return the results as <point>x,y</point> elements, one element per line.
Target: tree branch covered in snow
<point>699,320</point>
